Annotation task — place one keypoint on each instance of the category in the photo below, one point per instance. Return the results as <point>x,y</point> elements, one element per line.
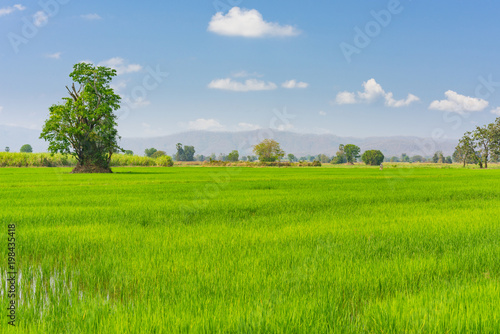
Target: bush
<point>164,161</point>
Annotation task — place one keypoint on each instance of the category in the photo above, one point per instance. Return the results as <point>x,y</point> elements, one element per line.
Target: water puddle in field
<point>38,292</point>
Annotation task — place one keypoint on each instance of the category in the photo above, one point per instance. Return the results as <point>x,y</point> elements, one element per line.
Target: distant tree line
<point>480,146</point>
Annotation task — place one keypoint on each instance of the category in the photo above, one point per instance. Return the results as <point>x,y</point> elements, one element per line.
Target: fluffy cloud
<point>247,23</point>
<point>345,98</point>
<point>91,17</point>
<point>120,65</point>
<point>247,86</point>
<point>322,113</point>
<point>56,55</point>
<point>205,124</point>
<point>8,10</point>
<point>495,111</point>
<point>40,19</point>
<point>460,104</point>
<point>290,84</point>
<point>372,92</point>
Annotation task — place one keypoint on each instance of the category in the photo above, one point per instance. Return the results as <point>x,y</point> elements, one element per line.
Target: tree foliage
<point>234,156</point>
<point>340,157</point>
<point>150,151</point>
<point>373,157</point>
<point>351,152</point>
<point>268,150</point>
<point>158,154</point>
<point>26,148</point>
<point>85,124</point>
<point>184,153</point>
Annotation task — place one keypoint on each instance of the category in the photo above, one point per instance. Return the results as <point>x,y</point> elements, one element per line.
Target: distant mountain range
<point>207,142</point>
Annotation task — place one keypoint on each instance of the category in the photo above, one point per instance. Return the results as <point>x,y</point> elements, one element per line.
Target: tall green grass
<point>61,160</point>
<point>295,250</point>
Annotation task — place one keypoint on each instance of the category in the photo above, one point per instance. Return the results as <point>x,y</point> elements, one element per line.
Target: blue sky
<point>350,68</point>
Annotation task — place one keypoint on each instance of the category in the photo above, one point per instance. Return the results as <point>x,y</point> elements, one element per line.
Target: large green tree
<point>466,150</point>
<point>373,157</point>
<point>85,124</point>
<point>268,150</point>
<point>351,152</point>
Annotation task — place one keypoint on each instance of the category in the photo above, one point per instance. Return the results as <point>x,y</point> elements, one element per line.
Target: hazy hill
<point>206,142</point>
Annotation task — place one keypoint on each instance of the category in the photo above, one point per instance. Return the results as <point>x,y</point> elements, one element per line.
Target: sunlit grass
<point>303,250</point>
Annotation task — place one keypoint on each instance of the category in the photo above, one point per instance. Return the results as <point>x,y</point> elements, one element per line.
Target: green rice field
<point>253,250</point>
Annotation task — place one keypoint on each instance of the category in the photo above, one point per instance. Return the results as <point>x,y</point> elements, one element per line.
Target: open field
<point>290,250</point>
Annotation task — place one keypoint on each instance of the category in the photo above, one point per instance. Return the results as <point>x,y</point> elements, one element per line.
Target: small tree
<point>128,152</point>
<point>323,158</point>
<point>448,160</point>
<point>268,150</point>
<point>7,149</point>
<point>372,157</point>
<point>234,156</point>
<point>189,153</point>
<point>149,151</point>
<point>291,157</point>
<point>435,158</point>
<point>85,125</point>
<point>351,153</point>
<point>417,158</point>
<point>26,148</point>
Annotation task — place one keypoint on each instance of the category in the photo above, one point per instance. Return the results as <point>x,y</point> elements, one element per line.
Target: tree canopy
<point>373,157</point>
<point>85,124</point>
<point>26,148</point>
<point>351,152</point>
<point>268,150</point>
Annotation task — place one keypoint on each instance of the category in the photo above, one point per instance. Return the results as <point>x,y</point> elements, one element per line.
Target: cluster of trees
<point>438,157</point>
<point>480,146</point>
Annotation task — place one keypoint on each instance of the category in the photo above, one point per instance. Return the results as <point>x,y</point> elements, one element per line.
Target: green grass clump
<point>254,250</point>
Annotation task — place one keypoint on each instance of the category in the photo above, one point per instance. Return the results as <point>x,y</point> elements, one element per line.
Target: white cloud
<point>56,55</point>
<point>389,100</point>
<point>247,86</point>
<point>91,17</point>
<point>290,84</point>
<point>460,104</point>
<point>247,23</point>
<point>248,127</point>
<point>1,108</point>
<point>372,92</point>
<point>495,111</point>
<point>345,98</point>
<point>205,124</point>
<point>8,10</point>
<point>322,113</point>
<point>40,19</point>
<point>120,66</point>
